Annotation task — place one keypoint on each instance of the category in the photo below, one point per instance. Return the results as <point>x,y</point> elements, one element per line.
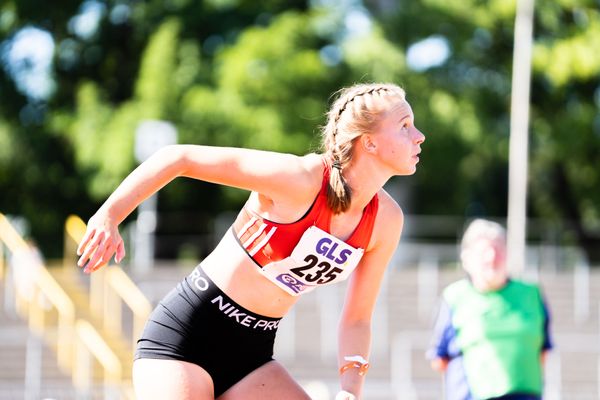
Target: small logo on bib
<point>289,281</point>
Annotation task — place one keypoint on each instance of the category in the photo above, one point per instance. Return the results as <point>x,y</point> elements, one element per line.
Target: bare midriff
<point>236,274</point>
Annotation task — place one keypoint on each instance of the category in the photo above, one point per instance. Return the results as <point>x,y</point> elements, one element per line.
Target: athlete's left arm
<point>363,288</point>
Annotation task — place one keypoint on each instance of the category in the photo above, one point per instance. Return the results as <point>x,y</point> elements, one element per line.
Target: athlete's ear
<point>368,143</point>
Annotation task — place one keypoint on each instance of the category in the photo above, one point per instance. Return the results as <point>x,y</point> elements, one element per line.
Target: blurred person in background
<point>492,332</point>
<point>309,220</point>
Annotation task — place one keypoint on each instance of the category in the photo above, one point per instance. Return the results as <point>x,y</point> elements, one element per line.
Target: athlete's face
<point>484,259</point>
<point>398,140</point>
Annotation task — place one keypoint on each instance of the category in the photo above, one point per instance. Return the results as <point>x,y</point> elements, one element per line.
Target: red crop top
<point>267,241</point>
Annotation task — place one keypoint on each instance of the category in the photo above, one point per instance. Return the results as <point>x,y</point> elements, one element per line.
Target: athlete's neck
<point>365,180</point>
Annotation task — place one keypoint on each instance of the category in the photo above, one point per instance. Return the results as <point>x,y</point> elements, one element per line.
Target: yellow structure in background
<point>71,330</point>
<point>91,343</point>
<point>44,289</point>
<point>110,287</point>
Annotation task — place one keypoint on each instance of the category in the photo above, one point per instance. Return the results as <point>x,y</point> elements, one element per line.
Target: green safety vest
<point>500,335</point>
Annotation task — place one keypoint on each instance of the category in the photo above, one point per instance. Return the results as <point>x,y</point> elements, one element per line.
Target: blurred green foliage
<point>260,74</point>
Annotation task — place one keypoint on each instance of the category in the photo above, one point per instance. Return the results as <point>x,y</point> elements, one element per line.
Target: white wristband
<point>357,358</point>
<point>343,395</point>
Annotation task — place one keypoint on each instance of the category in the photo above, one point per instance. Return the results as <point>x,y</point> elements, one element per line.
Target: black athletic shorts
<point>198,323</point>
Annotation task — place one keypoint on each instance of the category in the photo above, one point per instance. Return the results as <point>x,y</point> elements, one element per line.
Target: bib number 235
<point>316,272</point>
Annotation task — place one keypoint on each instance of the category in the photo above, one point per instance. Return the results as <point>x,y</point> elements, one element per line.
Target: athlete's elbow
<point>175,156</point>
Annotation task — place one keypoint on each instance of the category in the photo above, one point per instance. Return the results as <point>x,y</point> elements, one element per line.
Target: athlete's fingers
<point>90,249</point>
<point>102,259</point>
<point>120,252</point>
<point>89,234</point>
<point>98,253</point>
<point>105,258</point>
<point>101,263</point>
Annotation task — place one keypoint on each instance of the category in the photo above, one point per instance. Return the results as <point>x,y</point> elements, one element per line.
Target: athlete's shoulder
<point>313,162</point>
<point>304,176</point>
<point>389,209</point>
<point>313,166</point>
<point>389,220</point>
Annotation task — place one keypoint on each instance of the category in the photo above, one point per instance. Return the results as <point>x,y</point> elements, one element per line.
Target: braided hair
<point>356,111</point>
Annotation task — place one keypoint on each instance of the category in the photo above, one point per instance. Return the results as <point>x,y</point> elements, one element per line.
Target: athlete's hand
<point>343,395</point>
<point>100,242</point>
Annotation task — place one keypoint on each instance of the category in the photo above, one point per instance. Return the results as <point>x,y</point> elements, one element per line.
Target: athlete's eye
<point>405,123</point>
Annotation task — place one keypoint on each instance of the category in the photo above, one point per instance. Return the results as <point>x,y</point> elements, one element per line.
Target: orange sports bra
<point>267,241</point>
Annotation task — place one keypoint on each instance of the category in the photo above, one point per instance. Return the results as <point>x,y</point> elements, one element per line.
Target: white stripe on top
<point>263,242</point>
<point>256,234</point>
<point>247,226</point>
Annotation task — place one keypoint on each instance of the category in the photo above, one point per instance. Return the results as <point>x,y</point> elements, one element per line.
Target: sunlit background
<point>89,88</point>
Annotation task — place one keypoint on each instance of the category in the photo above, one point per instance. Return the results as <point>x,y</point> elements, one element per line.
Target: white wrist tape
<point>357,358</point>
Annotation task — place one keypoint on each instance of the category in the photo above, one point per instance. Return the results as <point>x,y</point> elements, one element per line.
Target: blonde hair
<point>483,228</point>
<point>356,111</point>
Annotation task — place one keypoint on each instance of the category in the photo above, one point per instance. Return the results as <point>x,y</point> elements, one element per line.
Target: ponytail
<point>339,194</point>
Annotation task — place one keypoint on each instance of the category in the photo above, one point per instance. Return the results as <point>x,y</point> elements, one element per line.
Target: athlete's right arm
<point>102,238</point>
<point>279,177</point>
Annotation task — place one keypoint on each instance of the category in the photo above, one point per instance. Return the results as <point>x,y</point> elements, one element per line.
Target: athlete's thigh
<point>269,382</point>
<point>170,379</point>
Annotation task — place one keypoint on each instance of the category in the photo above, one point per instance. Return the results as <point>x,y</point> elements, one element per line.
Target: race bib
<point>318,259</point>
